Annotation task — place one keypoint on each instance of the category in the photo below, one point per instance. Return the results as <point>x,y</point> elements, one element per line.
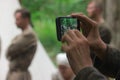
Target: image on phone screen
<point>68,24</point>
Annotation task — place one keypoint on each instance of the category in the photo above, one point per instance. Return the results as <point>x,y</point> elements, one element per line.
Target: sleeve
<point>89,73</point>
<point>110,66</point>
<point>21,45</point>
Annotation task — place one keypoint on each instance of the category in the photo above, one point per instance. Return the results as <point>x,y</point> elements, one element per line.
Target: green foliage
<point>44,13</point>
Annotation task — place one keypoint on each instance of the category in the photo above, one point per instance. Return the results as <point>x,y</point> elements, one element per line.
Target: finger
<point>85,30</point>
<point>66,39</point>
<point>78,34</point>
<point>82,18</point>
<point>85,21</point>
<point>77,14</point>
<point>68,15</point>
<point>65,47</point>
<point>72,34</point>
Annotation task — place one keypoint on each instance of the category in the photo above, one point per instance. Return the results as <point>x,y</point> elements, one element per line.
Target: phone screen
<point>68,24</point>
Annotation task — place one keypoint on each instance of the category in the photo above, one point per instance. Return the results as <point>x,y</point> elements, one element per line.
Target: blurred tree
<point>112,17</point>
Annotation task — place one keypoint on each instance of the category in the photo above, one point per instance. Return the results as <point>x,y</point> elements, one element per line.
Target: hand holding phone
<point>63,24</point>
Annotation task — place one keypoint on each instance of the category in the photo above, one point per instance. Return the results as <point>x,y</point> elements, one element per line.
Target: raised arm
<point>77,48</point>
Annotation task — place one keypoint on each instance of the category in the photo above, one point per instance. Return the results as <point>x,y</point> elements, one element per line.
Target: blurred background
<point>44,13</point>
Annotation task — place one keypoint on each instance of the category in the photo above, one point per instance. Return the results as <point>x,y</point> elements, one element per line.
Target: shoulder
<point>104,27</point>
<point>29,33</point>
<point>105,33</point>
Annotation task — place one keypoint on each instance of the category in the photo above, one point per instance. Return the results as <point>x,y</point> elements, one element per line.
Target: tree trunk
<point>112,8</point>
<point>112,17</point>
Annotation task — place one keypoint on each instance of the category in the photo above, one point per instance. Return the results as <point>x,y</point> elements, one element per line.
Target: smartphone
<point>63,24</point>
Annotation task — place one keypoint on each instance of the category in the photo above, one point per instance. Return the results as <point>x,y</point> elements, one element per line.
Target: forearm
<point>90,73</point>
<point>110,63</point>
